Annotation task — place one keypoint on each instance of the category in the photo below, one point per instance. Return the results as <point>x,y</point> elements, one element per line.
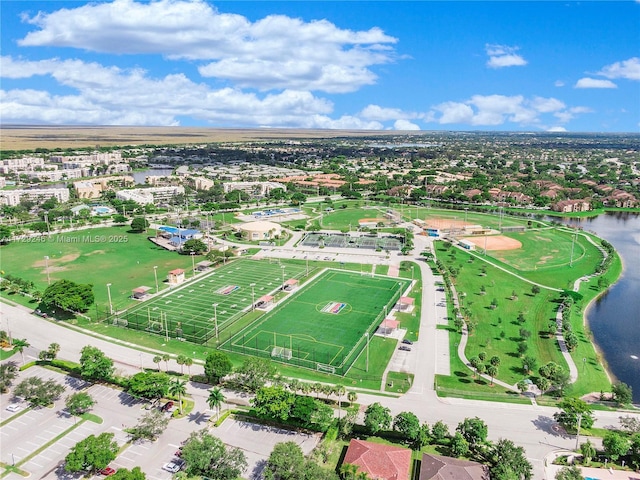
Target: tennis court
<point>195,310</point>
<point>343,240</point>
<point>324,325</point>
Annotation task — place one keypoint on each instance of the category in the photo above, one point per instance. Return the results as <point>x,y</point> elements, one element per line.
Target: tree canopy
<point>69,295</point>
<point>94,364</point>
<point>208,457</point>
<point>377,418</point>
<point>91,454</point>
<point>148,385</point>
<point>216,366</point>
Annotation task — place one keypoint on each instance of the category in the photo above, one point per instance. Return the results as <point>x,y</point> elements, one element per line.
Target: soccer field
<point>324,325</point>
<point>188,311</point>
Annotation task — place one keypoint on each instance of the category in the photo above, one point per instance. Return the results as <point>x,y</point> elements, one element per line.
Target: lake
<point>614,319</point>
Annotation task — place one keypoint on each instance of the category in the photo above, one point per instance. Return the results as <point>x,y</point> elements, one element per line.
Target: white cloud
<point>113,96</point>
<point>629,69</point>
<point>503,56</point>
<point>560,83</point>
<point>493,110</point>
<point>556,129</point>
<point>274,52</point>
<point>588,82</point>
<point>405,125</point>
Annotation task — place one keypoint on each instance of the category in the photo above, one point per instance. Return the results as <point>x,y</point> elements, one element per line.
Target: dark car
<point>167,406</point>
<point>107,471</point>
<point>407,342</point>
<point>404,348</point>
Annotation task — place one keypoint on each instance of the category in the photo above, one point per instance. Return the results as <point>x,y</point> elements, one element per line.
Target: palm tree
<point>492,371</point>
<point>20,344</point>
<point>178,387</point>
<point>157,359</point>
<point>165,358</point>
<point>352,396</point>
<point>340,390</point>
<point>317,388</point>
<point>188,362</point>
<point>54,349</point>
<point>215,400</point>
<point>348,471</point>
<point>180,359</point>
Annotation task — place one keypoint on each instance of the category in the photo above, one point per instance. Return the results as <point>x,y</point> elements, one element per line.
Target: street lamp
<point>193,263</point>
<point>253,297</point>
<point>573,241</point>
<point>109,294</point>
<point>215,318</point>
<point>155,274</point>
<point>46,264</point>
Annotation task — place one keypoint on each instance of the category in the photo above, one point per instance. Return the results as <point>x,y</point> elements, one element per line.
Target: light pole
<point>367,345</point>
<point>141,367</point>
<point>193,263</point>
<point>465,214</point>
<point>46,264</point>
<point>253,297</point>
<point>155,274</point>
<point>578,431</point>
<point>282,267</point>
<point>215,319</point>
<point>573,242</point>
<point>109,294</point>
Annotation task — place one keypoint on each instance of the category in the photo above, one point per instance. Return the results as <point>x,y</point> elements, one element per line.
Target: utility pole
<point>578,431</point>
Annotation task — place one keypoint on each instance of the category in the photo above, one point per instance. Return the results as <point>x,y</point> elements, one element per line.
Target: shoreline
<point>585,321</point>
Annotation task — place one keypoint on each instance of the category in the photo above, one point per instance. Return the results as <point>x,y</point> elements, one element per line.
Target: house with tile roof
<point>379,462</point>
<point>438,467</point>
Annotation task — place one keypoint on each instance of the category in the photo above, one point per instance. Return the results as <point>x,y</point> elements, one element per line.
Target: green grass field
<point>188,312</point>
<point>324,322</point>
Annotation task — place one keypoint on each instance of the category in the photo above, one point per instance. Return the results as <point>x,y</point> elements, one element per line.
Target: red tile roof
<point>380,462</point>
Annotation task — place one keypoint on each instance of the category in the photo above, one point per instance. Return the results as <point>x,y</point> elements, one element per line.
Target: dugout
<point>264,302</point>
<point>405,304</point>
<point>203,266</point>
<point>290,285</point>
<point>388,326</point>
<point>140,293</point>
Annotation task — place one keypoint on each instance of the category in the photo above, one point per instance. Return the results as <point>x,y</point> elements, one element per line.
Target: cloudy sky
<point>418,65</point>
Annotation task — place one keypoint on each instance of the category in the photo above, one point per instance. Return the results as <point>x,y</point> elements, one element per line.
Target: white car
<point>14,407</point>
<point>173,467</point>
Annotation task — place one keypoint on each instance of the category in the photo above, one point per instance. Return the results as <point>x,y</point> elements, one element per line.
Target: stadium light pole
<point>282,267</point>
<point>367,363</point>
<point>215,319</point>
<point>155,274</point>
<point>253,297</point>
<point>46,266</point>
<point>109,295</point>
<point>193,263</point>
<point>573,242</point>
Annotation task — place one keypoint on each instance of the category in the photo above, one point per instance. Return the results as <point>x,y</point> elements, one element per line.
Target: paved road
<point>527,425</point>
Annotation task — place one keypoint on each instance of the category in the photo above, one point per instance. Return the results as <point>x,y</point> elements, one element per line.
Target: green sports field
<point>323,325</point>
<point>188,312</point>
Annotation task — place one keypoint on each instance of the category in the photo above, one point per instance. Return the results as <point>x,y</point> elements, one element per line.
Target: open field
<point>501,243</point>
<point>487,220</point>
<point>31,137</point>
<point>188,311</point>
<point>325,322</point>
<point>95,256</point>
<point>349,217</point>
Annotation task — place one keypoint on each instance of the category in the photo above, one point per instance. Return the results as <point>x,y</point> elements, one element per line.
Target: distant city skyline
<point>511,66</point>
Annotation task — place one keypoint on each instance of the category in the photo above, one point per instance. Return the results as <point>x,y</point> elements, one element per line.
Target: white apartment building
<point>145,196</point>
<point>14,165</point>
<point>255,189</point>
<point>39,195</point>
<point>95,158</point>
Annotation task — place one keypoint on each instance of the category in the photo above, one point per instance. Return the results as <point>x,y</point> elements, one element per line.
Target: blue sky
<point>516,66</point>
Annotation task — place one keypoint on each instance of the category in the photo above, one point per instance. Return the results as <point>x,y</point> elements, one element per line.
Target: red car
<point>107,471</point>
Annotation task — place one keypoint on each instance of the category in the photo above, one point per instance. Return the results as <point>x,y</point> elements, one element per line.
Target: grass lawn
<point>325,322</point>
<point>498,330</point>
<point>95,256</point>
<point>476,218</point>
<point>342,218</point>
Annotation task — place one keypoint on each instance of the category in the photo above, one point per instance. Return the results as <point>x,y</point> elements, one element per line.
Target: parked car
<point>107,471</point>
<point>167,406</point>
<point>174,466</point>
<point>14,407</point>
<point>404,348</point>
<point>40,313</point>
<point>407,342</point>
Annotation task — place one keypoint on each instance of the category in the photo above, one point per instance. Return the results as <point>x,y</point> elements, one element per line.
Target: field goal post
<point>323,367</point>
<point>281,352</point>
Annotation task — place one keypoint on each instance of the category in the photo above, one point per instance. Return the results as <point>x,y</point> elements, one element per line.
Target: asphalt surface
<point>530,426</point>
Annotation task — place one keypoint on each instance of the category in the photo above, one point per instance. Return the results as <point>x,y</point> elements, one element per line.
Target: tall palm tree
<point>348,471</point>
<point>492,371</point>
<point>178,387</point>
<point>352,396</point>
<point>340,390</point>
<point>165,358</point>
<point>180,360</point>
<point>157,359</point>
<point>188,362</point>
<point>215,400</point>
<point>54,349</point>
<point>20,344</point>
